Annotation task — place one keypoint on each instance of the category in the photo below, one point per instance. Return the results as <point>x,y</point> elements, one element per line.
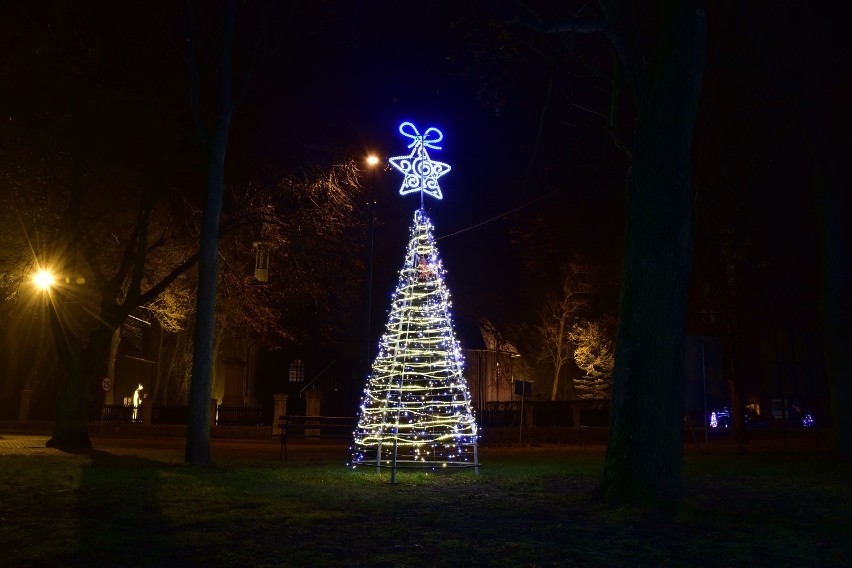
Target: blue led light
<point>421,172</point>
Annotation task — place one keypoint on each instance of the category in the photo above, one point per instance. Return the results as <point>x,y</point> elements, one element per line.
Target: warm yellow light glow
<point>372,160</point>
<point>43,279</point>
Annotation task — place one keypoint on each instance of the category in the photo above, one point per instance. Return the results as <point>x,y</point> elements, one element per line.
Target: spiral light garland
<point>416,411</point>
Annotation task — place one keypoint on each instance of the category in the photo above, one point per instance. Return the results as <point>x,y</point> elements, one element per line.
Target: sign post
<point>524,389</point>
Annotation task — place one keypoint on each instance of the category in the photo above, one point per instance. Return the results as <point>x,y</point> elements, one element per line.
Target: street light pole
<point>372,161</point>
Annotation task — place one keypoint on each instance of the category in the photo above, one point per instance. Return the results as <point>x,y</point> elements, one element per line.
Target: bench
<point>314,427</point>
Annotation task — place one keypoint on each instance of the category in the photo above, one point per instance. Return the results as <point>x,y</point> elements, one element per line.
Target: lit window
<point>297,371</point>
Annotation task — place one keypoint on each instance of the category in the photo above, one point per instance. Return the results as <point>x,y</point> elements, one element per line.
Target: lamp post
<point>372,162</point>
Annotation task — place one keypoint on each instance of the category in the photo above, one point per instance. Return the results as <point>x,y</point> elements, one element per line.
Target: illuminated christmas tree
<point>416,409</point>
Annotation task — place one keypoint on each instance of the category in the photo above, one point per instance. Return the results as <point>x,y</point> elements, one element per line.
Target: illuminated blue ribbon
<point>408,130</point>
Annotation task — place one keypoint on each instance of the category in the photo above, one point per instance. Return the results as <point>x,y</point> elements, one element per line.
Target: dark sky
<point>377,64</point>
<point>339,77</point>
<point>389,65</point>
<point>754,170</point>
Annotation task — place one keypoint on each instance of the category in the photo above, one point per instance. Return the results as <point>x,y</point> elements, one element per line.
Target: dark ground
<point>133,502</point>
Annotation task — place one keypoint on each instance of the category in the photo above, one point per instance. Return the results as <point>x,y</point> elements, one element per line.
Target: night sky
<point>754,170</point>
<point>523,135</point>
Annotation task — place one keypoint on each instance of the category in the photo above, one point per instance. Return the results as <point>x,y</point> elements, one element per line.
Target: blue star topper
<point>421,173</point>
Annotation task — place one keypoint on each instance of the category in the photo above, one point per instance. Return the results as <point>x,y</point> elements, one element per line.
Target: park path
<point>172,449</point>
<point>20,445</point>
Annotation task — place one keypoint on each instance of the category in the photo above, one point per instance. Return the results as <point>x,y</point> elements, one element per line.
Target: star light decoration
<point>420,171</point>
<point>416,408</point>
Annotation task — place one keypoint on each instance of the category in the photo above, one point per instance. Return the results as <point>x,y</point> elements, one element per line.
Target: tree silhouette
<point>561,312</point>
<point>103,188</point>
<point>659,49</point>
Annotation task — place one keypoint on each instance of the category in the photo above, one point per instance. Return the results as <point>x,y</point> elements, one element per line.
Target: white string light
<point>415,411</point>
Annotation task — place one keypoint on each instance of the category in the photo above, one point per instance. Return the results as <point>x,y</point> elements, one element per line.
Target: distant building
<point>489,363</point>
<point>337,370</point>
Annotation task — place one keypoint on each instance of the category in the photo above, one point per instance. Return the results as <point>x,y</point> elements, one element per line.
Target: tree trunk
<point>734,382</point>
<point>807,69</point>
<point>71,429</point>
<point>833,206</point>
<point>84,366</point>
<point>644,460</point>
<point>158,370</point>
<point>555,388</point>
<point>201,385</point>
<point>115,342</point>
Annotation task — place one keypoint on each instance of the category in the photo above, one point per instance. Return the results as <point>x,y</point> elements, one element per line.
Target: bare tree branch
<point>578,24</point>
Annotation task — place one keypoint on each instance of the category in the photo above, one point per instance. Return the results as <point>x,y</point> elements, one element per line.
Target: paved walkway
<point>25,445</point>
<point>172,449</point>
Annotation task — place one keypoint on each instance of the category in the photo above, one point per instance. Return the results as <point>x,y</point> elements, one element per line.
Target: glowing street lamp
<point>44,279</point>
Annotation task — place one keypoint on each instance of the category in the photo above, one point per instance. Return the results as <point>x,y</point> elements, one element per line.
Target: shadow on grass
<point>528,507</point>
<point>118,512</point>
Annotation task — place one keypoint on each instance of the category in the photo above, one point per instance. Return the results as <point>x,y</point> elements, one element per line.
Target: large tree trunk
<point>201,386</point>
<point>835,262</point>
<point>824,89</point>
<point>200,389</point>
<point>71,429</point>
<point>644,460</point>
<point>806,68</point>
<point>84,365</point>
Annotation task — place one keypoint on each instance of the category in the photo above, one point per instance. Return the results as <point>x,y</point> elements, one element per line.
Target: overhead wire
<point>509,212</point>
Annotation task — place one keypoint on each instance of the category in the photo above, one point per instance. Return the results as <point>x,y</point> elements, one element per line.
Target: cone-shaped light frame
<point>416,411</point>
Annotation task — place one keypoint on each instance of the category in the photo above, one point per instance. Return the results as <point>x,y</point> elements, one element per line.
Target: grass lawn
<point>141,506</point>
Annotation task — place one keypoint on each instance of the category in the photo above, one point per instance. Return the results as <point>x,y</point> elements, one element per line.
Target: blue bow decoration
<point>429,139</point>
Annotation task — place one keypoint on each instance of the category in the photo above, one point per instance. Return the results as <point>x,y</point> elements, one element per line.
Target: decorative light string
<point>416,411</point>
